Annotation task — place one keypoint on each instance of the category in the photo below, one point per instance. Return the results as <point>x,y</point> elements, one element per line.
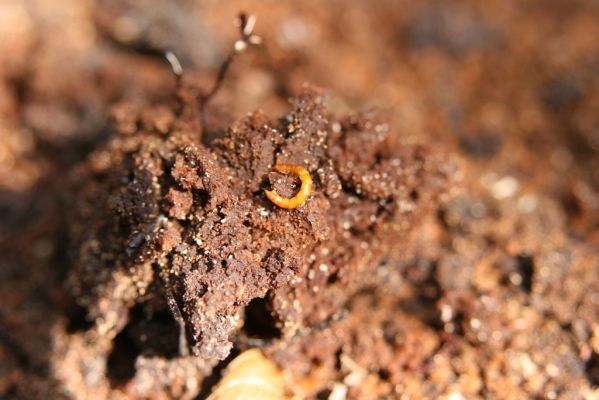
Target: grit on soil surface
<point>448,249</point>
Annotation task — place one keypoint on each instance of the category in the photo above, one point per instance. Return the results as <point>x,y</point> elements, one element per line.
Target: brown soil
<point>449,247</point>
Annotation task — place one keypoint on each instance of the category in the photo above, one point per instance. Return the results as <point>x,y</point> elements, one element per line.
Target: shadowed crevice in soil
<point>592,369</point>
<point>211,380</point>
<point>259,321</point>
<point>120,367</point>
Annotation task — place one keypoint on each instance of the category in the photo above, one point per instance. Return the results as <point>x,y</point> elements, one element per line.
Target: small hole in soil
<point>259,321</point>
<point>384,374</point>
<point>592,370</point>
<point>121,362</point>
<point>151,333</point>
<point>414,195</point>
<point>78,322</point>
<point>154,333</point>
<point>571,205</point>
<point>210,381</point>
<point>315,361</point>
<point>526,270</point>
<point>323,394</point>
<point>334,277</point>
<point>201,198</point>
<point>458,322</point>
<point>423,305</point>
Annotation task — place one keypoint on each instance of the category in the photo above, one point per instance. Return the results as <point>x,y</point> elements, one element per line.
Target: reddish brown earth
<point>449,248</point>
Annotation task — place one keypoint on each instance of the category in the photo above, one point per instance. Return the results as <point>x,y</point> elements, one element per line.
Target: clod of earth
<point>166,222</point>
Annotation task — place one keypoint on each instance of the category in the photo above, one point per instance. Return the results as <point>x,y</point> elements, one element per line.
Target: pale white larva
<point>250,376</point>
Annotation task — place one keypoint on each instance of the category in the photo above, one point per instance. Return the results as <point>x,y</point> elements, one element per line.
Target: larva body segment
<point>301,196</point>
<point>250,376</point>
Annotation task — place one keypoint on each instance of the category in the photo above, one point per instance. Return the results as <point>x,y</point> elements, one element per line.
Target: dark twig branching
<point>246,29</point>
<point>247,38</point>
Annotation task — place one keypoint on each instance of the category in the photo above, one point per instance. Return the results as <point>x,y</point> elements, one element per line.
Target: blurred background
<point>512,85</point>
<point>509,89</point>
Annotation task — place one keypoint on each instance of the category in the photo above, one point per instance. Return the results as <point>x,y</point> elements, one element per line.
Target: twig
<point>247,38</point>
<point>246,30</point>
<point>175,66</point>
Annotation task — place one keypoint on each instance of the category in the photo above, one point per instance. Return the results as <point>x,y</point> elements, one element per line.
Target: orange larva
<point>301,196</point>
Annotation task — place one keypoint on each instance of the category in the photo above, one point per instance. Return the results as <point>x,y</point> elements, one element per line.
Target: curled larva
<point>250,376</point>
<point>302,194</point>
